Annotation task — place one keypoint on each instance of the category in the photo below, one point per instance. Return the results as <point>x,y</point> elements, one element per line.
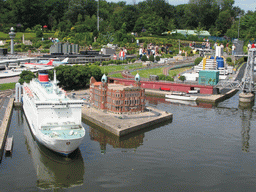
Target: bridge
<point>6,62</point>
<point>246,83</point>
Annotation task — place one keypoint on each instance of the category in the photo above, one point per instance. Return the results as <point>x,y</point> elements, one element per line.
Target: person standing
<point>138,42</point>
<point>215,45</point>
<point>203,45</point>
<point>140,52</point>
<point>233,49</point>
<point>227,47</point>
<point>121,55</point>
<point>249,46</point>
<point>125,52</point>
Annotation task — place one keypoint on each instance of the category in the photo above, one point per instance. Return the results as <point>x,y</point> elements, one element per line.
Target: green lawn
<point>6,86</point>
<point>113,68</point>
<point>145,73</point>
<point>28,36</point>
<point>159,71</point>
<point>177,71</point>
<point>116,75</point>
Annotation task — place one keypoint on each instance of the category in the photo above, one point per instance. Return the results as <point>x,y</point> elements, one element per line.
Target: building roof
<point>97,83</point>
<point>188,32</point>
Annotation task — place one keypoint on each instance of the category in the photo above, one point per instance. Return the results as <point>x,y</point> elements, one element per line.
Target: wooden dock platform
<point>9,145</point>
<point>5,125</point>
<point>123,124</point>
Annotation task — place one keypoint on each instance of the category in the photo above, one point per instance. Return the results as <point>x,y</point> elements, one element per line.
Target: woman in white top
<point>233,49</point>
<point>140,52</point>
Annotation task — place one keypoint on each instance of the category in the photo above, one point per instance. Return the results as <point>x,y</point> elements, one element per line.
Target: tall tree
<point>203,11</point>
<point>26,12</point>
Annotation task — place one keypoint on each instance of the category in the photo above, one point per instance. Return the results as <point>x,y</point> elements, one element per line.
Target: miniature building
<point>115,97</point>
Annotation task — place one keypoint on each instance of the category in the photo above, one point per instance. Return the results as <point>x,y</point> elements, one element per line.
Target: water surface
<point>206,148</point>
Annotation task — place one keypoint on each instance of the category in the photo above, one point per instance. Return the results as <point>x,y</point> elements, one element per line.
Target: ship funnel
<point>43,77</point>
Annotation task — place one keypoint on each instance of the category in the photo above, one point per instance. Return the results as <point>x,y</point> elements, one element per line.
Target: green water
<point>203,149</point>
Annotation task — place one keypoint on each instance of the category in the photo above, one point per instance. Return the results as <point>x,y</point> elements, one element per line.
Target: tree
<point>199,29</point>
<point>224,21</point>
<point>171,25</point>
<point>95,72</point>
<point>26,76</point>
<point>182,78</point>
<point>204,11</point>
<point>151,23</point>
<point>129,15</point>
<point>27,12</point>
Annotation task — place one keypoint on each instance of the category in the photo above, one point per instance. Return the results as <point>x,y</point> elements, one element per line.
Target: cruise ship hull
<point>54,119</point>
<point>61,146</point>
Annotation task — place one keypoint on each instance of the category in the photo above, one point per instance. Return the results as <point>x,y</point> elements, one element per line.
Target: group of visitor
<point>206,45</point>
<point>151,50</point>
<point>251,46</point>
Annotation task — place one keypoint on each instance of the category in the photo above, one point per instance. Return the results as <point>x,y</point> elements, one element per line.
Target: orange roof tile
<point>97,83</point>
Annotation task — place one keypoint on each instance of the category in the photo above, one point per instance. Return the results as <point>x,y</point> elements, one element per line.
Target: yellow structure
<point>204,63</point>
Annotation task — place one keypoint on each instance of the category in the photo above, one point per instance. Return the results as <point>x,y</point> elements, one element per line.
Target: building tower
<point>104,80</point>
<point>137,80</point>
<point>12,36</point>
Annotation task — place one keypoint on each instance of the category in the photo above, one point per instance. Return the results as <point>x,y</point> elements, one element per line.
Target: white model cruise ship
<point>54,119</point>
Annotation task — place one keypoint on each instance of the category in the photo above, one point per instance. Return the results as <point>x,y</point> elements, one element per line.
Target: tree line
<point>69,77</point>
<point>149,16</point>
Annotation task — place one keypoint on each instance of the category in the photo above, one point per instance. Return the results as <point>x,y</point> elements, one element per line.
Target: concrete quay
<point>5,126</point>
<point>200,98</point>
<point>123,124</point>
<point>216,98</point>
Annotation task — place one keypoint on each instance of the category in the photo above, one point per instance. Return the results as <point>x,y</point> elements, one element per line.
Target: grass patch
<point>116,75</point>
<point>6,86</point>
<point>147,72</point>
<point>175,72</point>
<point>159,71</point>
<point>113,68</point>
<point>28,36</point>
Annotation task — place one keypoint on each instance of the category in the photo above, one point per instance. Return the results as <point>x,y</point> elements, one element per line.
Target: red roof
<point>97,83</point>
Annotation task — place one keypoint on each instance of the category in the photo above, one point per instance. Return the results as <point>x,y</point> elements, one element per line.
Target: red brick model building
<point>115,97</point>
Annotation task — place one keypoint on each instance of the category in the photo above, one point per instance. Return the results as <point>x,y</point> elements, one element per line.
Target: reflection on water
<point>246,116</point>
<point>182,102</point>
<point>154,101</point>
<point>130,141</point>
<point>54,171</point>
<point>114,141</point>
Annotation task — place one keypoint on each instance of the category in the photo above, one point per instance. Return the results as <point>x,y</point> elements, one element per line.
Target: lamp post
<point>98,22</point>
<point>179,46</point>
<point>12,36</point>
<point>238,25</point>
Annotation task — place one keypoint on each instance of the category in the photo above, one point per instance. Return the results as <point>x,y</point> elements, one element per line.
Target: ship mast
<point>55,82</point>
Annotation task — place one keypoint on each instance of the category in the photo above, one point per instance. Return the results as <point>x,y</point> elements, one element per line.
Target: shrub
<point>110,62</point>
<point>97,63</point>
<point>198,60</point>
<point>182,54</point>
<point>144,58</point>
<point>229,59</point>
<point>165,78</point>
<point>157,58</point>
<point>230,63</point>
<point>133,60</point>
<point>169,78</point>
<point>39,34</point>
<point>151,58</point>
<point>182,78</point>
<point>104,63</point>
